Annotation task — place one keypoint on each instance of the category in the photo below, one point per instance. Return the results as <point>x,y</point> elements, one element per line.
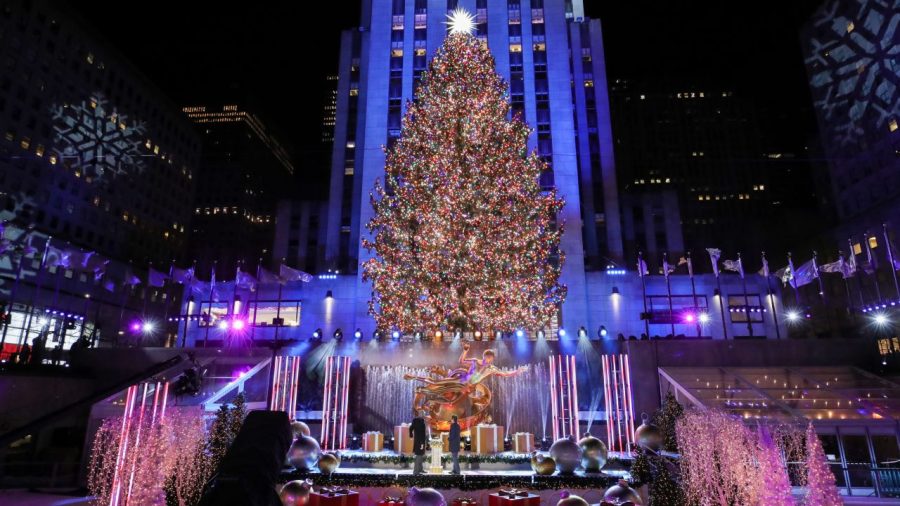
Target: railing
<point>887,480</point>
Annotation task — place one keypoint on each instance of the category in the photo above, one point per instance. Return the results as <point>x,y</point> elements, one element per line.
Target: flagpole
<point>12,300</point>
<point>771,296</point>
<point>873,264</point>
<point>278,310</point>
<point>146,292</point>
<point>846,283</point>
<point>746,299</point>
<point>130,283</point>
<point>690,263</point>
<point>856,276</point>
<point>644,293</point>
<point>893,267</point>
<point>212,287</point>
<point>669,291</point>
<point>165,320</point>
<point>255,301</point>
<point>793,281</point>
<point>38,287</point>
<point>187,305</point>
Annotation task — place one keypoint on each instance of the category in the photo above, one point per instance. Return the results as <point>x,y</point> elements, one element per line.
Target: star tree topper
<point>461,21</point>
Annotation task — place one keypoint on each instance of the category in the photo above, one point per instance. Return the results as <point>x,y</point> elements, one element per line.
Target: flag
<point>852,266</point>
<point>199,288</point>
<point>55,257</point>
<point>288,274</point>
<point>714,254</point>
<point>109,284</point>
<point>666,268</point>
<point>786,274</point>
<point>181,275</point>
<point>734,266</point>
<point>805,274</point>
<point>833,267</point>
<point>131,279</point>
<point>764,271</point>
<point>245,280</point>
<point>642,267</point>
<point>212,285</point>
<point>267,277</point>
<point>156,278</point>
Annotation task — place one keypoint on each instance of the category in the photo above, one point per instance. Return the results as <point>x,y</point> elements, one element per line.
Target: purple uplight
<point>689,317</point>
<point>135,326</point>
<point>237,324</point>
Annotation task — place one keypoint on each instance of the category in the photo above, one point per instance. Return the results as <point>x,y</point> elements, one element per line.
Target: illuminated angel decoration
<point>460,391</point>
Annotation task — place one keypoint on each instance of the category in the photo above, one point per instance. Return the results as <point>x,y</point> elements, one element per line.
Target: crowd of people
<point>38,353</point>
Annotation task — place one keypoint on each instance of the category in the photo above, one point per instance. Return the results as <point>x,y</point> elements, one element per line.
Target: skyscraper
<point>552,58</point>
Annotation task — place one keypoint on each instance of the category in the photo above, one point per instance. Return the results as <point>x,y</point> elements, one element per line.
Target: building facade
<point>243,174</point>
<point>91,152</point>
<point>552,58</point>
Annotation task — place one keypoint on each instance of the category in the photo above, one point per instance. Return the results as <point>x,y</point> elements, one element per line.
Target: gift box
<point>523,442</point>
<point>373,441</point>
<point>515,497</point>
<point>333,496</point>
<point>391,501</point>
<point>487,438</point>
<point>464,501</point>
<point>445,442</point>
<point>403,442</point>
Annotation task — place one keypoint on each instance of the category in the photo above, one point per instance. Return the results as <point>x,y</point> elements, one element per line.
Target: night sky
<point>279,53</point>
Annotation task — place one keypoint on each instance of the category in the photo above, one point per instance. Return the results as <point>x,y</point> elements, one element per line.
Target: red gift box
<point>514,497</point>
<point>391,501</point>
<point>334,497</point>
<point>464,501</point>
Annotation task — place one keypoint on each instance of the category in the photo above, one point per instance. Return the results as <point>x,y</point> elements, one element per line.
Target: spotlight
<point>540,334</point>
<point>376,335</point>
<point>716,292</point>
<point>520,333</point>
<point>417,335</point>
<point>602,332</point>
<point>338,334</point>
<point>317,334</point>
<point>880,319</point>
<point>689,318</point>
<point>328,295</point>
<point>237,324</point>
<point>704,318</point>
<point>438,334</point>
<point>498,335</point>
<point>358,334</point>
<point>395,334</point>
<point>793,316</point>
<point>582,332</point>
<point>223,325</point>
<point>478,335</point>
<point>135,326</point>
<point>561,333</point>
<point>615,290</point>
<point>147,327</point>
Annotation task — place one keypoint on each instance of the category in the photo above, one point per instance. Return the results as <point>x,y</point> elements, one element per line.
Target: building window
<point>264,313</point>
<point>741,308</point>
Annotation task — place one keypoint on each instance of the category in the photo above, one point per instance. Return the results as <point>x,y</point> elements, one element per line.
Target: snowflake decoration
<point>95,137</point>
<point>852,57</point>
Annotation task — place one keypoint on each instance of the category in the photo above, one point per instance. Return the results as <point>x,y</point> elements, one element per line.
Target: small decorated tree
<point>775,486</point>
<point>666,418</point>
<point>820,487</point>
<point>660,475</point>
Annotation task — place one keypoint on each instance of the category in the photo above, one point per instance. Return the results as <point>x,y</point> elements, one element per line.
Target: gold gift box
<point>523,442</point>
<point>487,438</point>
<point>373,441</point>
<point>403,443</point>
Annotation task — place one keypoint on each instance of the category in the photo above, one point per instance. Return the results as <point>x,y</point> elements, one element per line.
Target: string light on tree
<point>464,236</point>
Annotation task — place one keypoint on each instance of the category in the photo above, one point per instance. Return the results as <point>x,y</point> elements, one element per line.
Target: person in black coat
<point>453,441</point>
<point>419,432</point>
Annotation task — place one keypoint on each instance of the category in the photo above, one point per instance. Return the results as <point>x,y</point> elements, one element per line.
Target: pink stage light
<point>135,326</point>
<point>689,318</point>
<point>237,324</point>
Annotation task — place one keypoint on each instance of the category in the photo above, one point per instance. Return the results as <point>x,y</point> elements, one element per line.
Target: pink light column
<point>563,396</point>
<point>285,381</point>
<point>133,423</point>
<point>618,402</point>
<point>334,410</point>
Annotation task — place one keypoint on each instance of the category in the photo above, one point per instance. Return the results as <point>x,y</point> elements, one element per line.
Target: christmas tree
<point>465,238</point>
<point>666,419</point>
<point>820,488</point>
<point>774,483</point>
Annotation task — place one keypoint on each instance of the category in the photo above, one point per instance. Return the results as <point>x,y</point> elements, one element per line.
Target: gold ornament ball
<point>329,462</point>
<point>295,493</point>
<point>299,428</point>
<point>542,464</point>
<point>621,492</point>
<point>593,453</point>
<point>648,435</point>
<point>569,499</point>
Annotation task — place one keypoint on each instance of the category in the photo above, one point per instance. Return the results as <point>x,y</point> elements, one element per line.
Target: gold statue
<point>459,391</point>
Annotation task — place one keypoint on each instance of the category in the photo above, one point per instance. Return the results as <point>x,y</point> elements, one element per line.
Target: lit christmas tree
<point>464,236</point>
<point>820,488</point>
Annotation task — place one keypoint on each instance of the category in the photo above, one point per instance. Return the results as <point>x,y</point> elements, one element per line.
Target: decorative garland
<point>464,482</point>
<point>465,458</point>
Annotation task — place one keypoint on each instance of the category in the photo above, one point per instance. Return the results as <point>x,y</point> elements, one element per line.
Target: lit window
<point>39,150</point>
<point>850,26</point>
<point>892,125</point>
<point>643,97</point>
<point>52,159</point>
<point>396,53</point>
<point>762,187</point>
<point>26,142</point>
<point>857,249</point>
<point>668,180</point>
<point>700,197</point>
<point>351,144</point>
<point>588,83</point>
<point>348,171</point>
<point>540,47</point>
<point>420,51</point>
<point>873,242</point>
<point>515,48</point>
<point>354,92</point>
<point>90,58</point>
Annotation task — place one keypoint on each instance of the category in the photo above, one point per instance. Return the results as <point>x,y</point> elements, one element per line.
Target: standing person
<point>453,441</point>
<point>419,432</point>
<point>56,354</point>
<point>24,354</point>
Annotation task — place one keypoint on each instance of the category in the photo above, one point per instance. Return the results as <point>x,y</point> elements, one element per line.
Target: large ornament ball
<point>569,499</point>
<point>295,493</point>
<point>593,453</point>
<point>621,493</point>
<point>542,464</point>
<point>424,497</point>
<point>304,453</point>
<point>328,462</point>
<point>567,455</point>
<point>648,435</point>
<point>299,428</point>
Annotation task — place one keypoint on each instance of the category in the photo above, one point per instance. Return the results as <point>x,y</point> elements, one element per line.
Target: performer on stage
<point>453,441</point>
<point>419,432</point>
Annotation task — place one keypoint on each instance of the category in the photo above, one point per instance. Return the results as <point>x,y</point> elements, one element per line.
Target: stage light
<point>602,332</point>
<point>376,335</point>
<point>793,316</point>
<point>317,334</point>
<point>147,327</point>
<point>880,319</point>
<point>135,326</point>
<point>498,335</point>
<point>478,335</point>
<point>358,334</point>
<point>236,307</point>
<point>615,290</point>
<point>520,333</point>
<point>223,325</point>
<point>561,333</point>
<point>689,318</point>
<point>338,334</point>
<point>328,295</point>
<point>716,292</point>
<point>438,334</point>
<point>540,334</point>
<point>582,332</point>
<point>395,334</point>
<point>704,318</point>
<point>237,324</point>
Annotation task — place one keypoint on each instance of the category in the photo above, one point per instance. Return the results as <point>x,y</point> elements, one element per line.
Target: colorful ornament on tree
<point>464,236</point>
